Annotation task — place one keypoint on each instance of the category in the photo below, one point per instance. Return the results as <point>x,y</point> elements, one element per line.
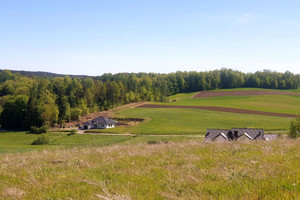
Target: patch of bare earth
<point>221,109</point>
<point>242,93</point>
<point>108,113</point>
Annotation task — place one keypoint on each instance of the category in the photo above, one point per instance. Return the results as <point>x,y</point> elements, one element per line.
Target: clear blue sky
<point>94,37</point>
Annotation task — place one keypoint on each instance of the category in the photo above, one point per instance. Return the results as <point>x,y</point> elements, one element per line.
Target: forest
<point>39,100</point>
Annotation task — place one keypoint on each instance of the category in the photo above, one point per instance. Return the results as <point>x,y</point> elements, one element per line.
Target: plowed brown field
<point>242,93</point>
<point>220,109</point>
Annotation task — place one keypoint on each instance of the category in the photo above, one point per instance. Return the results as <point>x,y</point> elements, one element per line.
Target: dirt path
<point>220,109</point>
<point>134,135</point>
<point>242,93</point>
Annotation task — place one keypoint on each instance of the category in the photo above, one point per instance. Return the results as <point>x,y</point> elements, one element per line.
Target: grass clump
<point>41,140</point>
<point>164,141</point>
<point>152,142</point>
<point>72,132</point>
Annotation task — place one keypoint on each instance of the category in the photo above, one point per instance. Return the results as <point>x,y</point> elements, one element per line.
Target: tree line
<point>27,101</point>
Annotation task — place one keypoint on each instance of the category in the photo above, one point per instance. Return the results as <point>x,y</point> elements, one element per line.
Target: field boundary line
<point>221,109</point>
<point>204,94</point>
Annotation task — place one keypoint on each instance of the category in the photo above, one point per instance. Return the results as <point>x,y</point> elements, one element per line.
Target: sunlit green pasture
<point>186,170</point>
<point>196,121</point>
<point>271,103</point>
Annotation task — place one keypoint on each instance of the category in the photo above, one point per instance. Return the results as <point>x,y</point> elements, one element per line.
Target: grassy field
<point>195,121</point>
<point>178,165</point>
<point>11,142</point>
<point>273,103</point>
<point>186,170</point>
<point>243,89</point>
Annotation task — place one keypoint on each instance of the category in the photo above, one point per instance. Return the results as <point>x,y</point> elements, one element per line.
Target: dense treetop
<point>36,99</point>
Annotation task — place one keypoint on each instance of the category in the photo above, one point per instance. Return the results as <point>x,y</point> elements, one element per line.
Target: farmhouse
<point>99,123</point>
<point>234,134</point>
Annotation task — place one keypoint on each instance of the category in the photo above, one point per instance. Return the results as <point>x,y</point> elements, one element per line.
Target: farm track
<point>135,135</point>
<point>220,109</point>
<point>242,93</point>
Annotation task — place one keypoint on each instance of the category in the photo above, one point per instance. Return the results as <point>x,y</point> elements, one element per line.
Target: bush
<point>72,132</point>
<point>43,129</point>
<point>60,130</point>
<point>165,141</point>
<point>41,140</point>
<point>295,128</point>
<point>36,130</point>
<point>152,142</point>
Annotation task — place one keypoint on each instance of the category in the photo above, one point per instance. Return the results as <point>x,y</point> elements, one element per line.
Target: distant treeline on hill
<point>35,100</point>
<point>43,74</point>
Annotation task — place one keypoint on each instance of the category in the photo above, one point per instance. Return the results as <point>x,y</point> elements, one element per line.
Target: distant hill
<point>44,74</point>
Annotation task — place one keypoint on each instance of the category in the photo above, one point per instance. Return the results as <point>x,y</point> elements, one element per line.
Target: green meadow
<point>272,103</point>
<point>12,142</point>
<point>170,121</point>
<point>195,121</point>
<point>163,157</point>
<point>185,170</point>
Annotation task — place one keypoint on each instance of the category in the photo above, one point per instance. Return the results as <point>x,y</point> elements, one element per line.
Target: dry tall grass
<point>186,170</point>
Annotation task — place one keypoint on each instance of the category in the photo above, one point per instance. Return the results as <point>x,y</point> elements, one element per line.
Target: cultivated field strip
<point>242,93</point>
<point>220,109</point>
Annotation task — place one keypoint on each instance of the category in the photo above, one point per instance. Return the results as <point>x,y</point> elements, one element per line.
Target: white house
<point>99,123</point>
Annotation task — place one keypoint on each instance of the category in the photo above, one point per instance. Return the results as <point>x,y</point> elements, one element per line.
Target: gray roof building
<point>213,134</point>
<point>234,134</point>
<point>100,120</point>
<point>99,123</point>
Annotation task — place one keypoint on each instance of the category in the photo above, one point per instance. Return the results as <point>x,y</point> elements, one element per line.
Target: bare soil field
<point>220,109</point>
<point>242,93</point>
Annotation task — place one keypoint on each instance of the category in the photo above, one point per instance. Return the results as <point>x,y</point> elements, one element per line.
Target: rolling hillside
<point>186,120</point>
<point>152,166</point>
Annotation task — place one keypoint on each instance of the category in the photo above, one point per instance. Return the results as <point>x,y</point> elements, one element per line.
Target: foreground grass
<point>186,170</point>
<point>11,142</point>
<point>195,121</point>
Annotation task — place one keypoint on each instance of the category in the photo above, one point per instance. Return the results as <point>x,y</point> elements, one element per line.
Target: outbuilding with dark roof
<point>234,134</point>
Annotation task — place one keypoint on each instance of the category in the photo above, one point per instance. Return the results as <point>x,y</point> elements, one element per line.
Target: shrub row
<point>38,130</point>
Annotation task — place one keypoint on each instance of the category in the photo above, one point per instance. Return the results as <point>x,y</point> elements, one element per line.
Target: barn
<point>99,123</point>
<point>234,134</point>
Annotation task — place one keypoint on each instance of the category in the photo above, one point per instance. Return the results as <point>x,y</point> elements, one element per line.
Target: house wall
<point>84,127</point>
<point>105,126</point>
<point>97,126</point>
